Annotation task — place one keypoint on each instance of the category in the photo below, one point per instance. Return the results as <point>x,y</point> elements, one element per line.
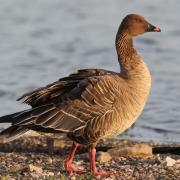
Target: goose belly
<point>126,113</point>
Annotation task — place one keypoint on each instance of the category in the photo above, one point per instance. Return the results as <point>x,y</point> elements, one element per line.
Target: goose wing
<point>91,95</point>
<point>56,91</point>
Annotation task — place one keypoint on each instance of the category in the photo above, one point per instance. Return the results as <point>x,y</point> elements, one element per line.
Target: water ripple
<point>42,41</point>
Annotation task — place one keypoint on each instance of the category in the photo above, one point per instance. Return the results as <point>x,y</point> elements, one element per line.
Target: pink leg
<point>68,163</point>
<point>93,168</point>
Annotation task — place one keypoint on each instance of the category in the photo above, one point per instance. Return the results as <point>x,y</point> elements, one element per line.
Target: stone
<point>178,163</point>
<point>49,174</point>
<point>33,168</point>
<point>170,161</point>
<point>138,150</point>
<point>50,160</point>
<point>35,175</point>
<point>73,178</point>
<point>103,157</point>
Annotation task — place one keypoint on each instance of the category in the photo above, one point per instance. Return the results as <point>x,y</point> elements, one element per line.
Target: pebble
<point>103,157</point>
<point>170,161</point>
<point>73,178</point>
<point>49,174</point>
<point>49,160</point>
<point>42,165</point>
<point>35,168</point>
<point>138,150</point>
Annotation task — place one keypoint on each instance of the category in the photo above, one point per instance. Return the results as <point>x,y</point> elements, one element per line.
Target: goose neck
<point>127,56</point>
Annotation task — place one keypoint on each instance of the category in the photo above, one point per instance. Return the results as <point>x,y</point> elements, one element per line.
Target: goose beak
<point>152,28</point>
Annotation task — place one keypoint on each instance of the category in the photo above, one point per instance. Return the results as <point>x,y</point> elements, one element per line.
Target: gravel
<point>29,158</point>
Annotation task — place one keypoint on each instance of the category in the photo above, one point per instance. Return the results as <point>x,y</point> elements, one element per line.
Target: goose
<point>91,104</point>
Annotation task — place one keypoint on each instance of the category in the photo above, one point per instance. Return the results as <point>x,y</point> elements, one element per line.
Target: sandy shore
<point>30,158</point>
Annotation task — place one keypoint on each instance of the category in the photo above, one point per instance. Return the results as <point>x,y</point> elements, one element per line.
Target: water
<point>43,40</point>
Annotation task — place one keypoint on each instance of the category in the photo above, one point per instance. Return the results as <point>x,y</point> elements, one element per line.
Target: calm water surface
<point>43,40</point>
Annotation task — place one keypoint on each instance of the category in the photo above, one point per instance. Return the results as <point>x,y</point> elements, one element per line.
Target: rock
<point>41,166</point>
<point>138,150</point>
<point>7,178</point>
<point>73,178</point>
<point>49,160</point>
<point>110,178</point>
<point>170,161</point>
<point>178,163</point>
<point>17,168</point>
<point>49,174</point>
<point>33,168</point>
<point>37,172</point>
<point>34,171</point>
<point>35,175</point>
<point>103,157</point>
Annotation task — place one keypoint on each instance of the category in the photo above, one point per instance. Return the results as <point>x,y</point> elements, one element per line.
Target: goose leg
<point>68,163</point>
<point>92,154</point>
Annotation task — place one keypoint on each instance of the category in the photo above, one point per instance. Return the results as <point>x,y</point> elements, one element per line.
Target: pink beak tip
<point>156,29</point>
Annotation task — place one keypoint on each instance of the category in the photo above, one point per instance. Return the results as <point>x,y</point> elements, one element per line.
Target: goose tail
<point>13,132</point>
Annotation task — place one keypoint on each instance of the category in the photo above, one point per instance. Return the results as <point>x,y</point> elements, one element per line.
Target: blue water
<point>43,40</point>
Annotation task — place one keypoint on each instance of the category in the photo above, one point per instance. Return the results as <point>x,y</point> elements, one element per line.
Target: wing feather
<point>70,103</point>
<point>60,88</point>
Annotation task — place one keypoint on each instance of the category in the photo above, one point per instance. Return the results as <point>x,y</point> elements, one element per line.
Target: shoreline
<point>31,158</point>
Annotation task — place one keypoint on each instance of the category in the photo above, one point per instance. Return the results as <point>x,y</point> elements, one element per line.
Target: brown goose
<point>93,103</point>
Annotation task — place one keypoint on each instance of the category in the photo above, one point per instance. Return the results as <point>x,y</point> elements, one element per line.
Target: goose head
<point>134,25</point>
